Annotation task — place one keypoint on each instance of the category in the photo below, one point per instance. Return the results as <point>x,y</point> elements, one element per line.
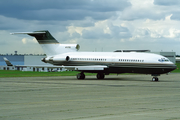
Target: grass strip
<point>15,73</point>
<point>177,70</point>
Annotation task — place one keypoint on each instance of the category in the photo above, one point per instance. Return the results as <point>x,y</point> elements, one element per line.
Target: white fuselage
<point>117,62</point>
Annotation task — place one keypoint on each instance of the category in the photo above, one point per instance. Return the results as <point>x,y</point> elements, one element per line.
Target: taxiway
<point>130,97</point>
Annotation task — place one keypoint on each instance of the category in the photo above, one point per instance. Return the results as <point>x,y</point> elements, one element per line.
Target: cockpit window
<point>166,60</point>
<point>163,60</point>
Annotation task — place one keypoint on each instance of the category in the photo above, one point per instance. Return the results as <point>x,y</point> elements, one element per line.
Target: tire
<point>155,79</point>
<point>100,76</point>
<point>80,76</point>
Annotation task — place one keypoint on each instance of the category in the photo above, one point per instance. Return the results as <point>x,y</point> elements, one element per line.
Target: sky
<point>96,25</point>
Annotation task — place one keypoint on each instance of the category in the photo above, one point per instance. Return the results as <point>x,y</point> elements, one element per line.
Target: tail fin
<point>7,62</point>
<point>49,44</point>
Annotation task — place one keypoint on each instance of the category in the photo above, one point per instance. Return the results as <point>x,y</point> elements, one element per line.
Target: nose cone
<point>169,67</point>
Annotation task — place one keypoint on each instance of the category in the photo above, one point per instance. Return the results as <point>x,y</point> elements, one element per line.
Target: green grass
<point>177,70</point>
<point>15,73</point>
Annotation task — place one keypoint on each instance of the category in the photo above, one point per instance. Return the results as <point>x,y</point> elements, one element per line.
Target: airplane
<point>102,63</point>
<point>8,63</point>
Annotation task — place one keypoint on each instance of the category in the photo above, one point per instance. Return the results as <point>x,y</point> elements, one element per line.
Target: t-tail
<point>49,44</point>
<point>7,61</point>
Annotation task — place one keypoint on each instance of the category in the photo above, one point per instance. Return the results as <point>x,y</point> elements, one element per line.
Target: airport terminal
<point>35,59</point>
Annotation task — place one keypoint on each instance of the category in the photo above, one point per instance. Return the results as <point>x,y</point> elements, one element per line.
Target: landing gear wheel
<point>155,79</point>
<point>100,76</point>
<point>80,76</point>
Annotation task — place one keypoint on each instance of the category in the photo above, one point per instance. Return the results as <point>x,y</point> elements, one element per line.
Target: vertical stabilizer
<point>49,44</point>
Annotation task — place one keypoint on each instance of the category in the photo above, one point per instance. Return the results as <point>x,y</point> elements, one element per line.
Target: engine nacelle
<point>56,59</point>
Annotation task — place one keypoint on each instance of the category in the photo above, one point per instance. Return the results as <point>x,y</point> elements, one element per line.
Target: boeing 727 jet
<point>102,63</point>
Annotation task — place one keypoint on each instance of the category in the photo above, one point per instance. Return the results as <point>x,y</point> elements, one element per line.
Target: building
<point>177,59</point>
<point>27,60</point>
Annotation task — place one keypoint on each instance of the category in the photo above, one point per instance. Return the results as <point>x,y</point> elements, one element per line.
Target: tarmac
<point>123,97</point>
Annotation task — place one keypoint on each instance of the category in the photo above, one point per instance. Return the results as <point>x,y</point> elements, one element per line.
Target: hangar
<point>27,59</point>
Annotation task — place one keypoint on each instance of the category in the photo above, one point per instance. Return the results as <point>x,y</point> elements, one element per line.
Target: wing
<point>81,68</point>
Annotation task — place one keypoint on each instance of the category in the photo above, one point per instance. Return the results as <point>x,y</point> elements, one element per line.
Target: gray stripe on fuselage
<point>115,64</point>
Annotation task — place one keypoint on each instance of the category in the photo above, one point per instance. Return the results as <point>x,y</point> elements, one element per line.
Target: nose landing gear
<point>155,78</point>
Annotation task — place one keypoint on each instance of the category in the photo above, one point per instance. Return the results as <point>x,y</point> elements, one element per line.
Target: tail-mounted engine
<point>67,58</point>
<point>56,59</point>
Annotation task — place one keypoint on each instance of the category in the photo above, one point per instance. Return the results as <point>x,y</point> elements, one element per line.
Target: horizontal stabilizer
<point>27,33</point>
<point>43,37</point>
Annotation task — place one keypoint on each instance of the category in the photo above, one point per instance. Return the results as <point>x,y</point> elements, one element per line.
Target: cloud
<point>175,15</point>
<point>94,24</point>
<point>169,7</point>
<point>105,30</point>
<point>142,10</point>
<point>24,40</point>
<point>27,41</point>
<point>173,33</point>
<point>61,10</point>
<point>166,2</point>
<point>134,14</point>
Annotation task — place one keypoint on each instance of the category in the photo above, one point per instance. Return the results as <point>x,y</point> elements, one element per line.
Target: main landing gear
<point>100,76</point>
<point>82,76</point>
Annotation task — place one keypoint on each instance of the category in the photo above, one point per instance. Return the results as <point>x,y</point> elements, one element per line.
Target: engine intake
<point>67,58</point>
